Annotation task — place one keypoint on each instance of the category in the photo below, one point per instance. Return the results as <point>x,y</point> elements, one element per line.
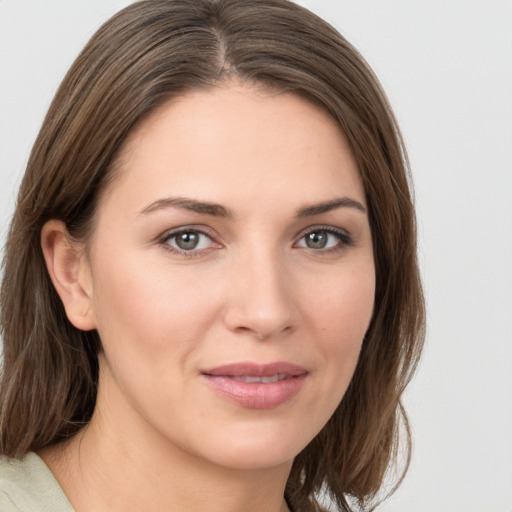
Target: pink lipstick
<point>256,386</point>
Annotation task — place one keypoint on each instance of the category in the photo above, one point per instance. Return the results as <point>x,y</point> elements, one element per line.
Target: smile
<point>264,380</point>
<point>255,386</point>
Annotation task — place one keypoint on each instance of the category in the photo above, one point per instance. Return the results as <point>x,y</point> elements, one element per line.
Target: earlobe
<point>70,273</point>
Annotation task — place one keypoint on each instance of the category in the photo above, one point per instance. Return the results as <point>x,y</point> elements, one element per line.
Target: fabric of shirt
<point>27,485</point>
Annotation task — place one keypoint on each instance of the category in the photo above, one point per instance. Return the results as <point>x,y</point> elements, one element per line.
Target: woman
<point>210,298</point>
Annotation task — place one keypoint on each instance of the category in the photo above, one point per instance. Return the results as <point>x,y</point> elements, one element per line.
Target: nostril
<point>262,334</point>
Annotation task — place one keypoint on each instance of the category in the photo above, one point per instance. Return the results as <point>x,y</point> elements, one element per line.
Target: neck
<point>111,466</point>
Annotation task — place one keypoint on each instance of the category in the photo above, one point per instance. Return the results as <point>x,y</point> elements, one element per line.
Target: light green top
<point>27,485</point>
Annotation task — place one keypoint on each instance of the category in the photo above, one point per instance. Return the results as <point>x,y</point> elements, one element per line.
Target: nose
<point>261,301</point>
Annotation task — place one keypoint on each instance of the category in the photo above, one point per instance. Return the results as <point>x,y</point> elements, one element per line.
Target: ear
<point>70,273</point>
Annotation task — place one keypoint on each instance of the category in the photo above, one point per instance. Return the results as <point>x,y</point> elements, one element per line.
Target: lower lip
<point>256,395</point>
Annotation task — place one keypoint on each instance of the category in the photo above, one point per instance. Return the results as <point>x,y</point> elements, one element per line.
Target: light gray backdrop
<point>447,67</point>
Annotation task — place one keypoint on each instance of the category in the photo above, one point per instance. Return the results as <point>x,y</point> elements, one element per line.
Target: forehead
<point>238,142</point>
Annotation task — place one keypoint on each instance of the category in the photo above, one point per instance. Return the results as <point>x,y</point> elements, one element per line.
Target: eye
<point>324,239</point>
<point>187,240</point>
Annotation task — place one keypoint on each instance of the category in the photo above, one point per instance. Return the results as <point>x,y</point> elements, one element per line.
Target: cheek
<point>151,327</point>
<point>341,315</point>
<point>146,311</point>
<point>343,306</point>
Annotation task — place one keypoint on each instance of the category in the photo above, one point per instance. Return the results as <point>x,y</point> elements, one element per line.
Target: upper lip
<point>255,369</point>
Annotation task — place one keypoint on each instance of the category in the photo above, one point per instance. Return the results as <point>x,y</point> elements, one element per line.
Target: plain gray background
<point>447,67</point>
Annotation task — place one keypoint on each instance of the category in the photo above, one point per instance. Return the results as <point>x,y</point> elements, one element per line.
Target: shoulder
<point>27,485</point>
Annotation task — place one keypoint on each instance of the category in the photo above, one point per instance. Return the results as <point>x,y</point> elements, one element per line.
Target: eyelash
<point>193,253</point>
<point>344,238</point>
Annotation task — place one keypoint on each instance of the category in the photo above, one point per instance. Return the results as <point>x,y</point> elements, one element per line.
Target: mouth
<point>264,380</point>
<point>256,386</point>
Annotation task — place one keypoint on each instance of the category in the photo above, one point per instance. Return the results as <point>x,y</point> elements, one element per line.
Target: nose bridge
<point>261,302</point>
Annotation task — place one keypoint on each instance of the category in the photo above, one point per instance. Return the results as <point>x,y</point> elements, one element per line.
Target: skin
<point>253,290</point>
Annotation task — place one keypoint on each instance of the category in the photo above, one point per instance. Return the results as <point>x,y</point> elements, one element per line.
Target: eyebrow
<point>192,205</point>
<point>327,206</point>
<point>217,210</point>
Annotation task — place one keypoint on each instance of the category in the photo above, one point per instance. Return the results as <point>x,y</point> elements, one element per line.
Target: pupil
<point>187,241</point>
<point>317,240</point>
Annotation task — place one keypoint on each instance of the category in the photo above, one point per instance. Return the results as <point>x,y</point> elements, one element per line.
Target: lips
<point>264,380</point>
<point>256,386</point>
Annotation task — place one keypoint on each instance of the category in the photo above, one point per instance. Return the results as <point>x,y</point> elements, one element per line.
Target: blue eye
<point>324,239</point>
<point>188,240</point>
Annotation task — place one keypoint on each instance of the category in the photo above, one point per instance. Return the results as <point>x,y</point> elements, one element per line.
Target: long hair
<point>148,53</point>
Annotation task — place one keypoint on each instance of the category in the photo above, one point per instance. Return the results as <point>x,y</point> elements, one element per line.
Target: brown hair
<point>149,52</point>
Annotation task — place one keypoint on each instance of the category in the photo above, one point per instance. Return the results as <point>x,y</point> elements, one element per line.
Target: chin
<point>257,448</point>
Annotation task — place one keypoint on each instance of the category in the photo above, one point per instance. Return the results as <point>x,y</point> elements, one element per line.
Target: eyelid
<point>202,230</point>
<point>346,239</point>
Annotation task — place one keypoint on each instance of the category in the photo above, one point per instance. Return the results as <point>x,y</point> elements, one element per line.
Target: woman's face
<point>231,277</point>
